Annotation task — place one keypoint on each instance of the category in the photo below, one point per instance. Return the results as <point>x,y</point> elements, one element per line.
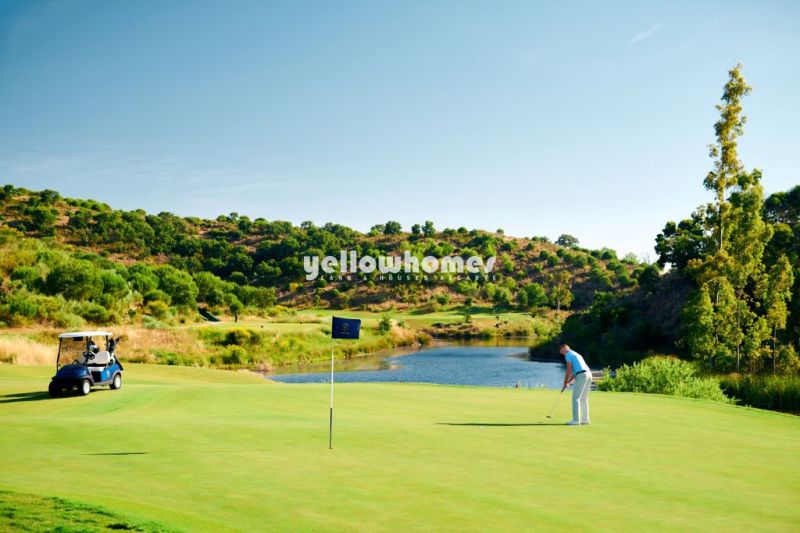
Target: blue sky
<point>540,118</point>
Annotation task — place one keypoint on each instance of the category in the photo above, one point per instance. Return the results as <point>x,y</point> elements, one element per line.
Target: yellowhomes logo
<point>348,262</point>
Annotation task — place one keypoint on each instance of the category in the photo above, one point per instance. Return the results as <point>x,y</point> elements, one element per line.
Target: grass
<point>202,449</point>
<point>765,391</point>
<point>17,349</point>
<point>28,512</point>
<point>285,340</point>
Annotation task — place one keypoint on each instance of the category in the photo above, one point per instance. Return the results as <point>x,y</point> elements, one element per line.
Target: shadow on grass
<point>117,453</point>
<point>497,424</point>
<point>25,397</point>
<point>37,396</point>
<point>184,452</point>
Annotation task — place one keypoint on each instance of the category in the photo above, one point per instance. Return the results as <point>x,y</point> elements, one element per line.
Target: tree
<point>561,289</point>
<point>567,241</point>
<point>522,299</point>
<point>467,288</point>
<point>722,246</point>
<point>741,260</point>
<point>677,244</point>
<point>416,229</point>
<point>178,284</point>
<point>7,192</point>
<point>210,289</point>
<point>234,306</point>
<point>648,278</point>
<point>392,228</point>
<point>607,254</point>
<point>113,285</point>
<point>238,278</point>
<point>428,230</point>
<point>41,219</point>
<point>502,296</point>
<point>75,279</point>
<point>532,295</point>
<point>727,328</point>
<point>142,278</point>
<point>697,317</point>
<point>727,166</point>
<point>783,207</point>
<point>264,297</point>
<point>49,197</point>
<point>268,273</point>
<point>779,292</point>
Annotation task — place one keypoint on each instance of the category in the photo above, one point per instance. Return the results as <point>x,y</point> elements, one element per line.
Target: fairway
<point>196,449</point>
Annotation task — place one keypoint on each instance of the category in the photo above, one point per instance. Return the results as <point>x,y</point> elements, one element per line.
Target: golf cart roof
<point>78,334</point>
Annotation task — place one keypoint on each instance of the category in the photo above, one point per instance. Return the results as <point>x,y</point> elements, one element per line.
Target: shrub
<point>76,279</point>
<point>64,319</point>
<point>234,355</point>
<point>663,375</point>
<point>113,284</point>
<point>767,392</point>
<point>41,218</point>
<point>157,296</point>
<point>385,324</point>
<point>28,275</point>
<point>157,309</point>
<point>23,305</point>
<point>96,313</point>
<point>150,322</point>
<point>788,362</point>
<point>241,337</point>
<point>168,358</point>
<point>579,260</point>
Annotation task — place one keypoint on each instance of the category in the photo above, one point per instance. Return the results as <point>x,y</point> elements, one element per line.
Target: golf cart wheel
<point>116,383</point>
<point>54,390</point>
<point>85,387</point>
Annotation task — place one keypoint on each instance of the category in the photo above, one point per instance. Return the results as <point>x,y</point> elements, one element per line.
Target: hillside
<point>68,261</point>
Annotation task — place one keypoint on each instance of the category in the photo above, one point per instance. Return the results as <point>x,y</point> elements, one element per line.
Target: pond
<point>460,364</point>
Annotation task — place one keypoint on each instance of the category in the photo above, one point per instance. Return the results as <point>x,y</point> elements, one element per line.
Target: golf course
<point>196,449</point>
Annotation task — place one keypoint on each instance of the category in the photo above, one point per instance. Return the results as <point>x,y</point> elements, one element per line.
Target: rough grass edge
<point>35,506</point>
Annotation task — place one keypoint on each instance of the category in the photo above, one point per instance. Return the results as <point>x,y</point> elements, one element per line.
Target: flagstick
<point>330,426</point>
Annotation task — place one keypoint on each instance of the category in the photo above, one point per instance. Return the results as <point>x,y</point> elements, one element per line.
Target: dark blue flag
<point>345,328</point>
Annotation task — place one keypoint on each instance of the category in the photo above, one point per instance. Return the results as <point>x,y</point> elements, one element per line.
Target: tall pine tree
<point>733,271</point>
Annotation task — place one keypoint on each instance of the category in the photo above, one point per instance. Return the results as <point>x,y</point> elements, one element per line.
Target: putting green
<point>197,449</point>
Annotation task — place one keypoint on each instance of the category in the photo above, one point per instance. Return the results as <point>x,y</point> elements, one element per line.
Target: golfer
<point>577,371</point>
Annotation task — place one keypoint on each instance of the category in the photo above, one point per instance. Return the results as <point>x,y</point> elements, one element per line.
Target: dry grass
<point>402,336</point>
<point>139,345</point>
<point>189,346</point>
<point>23,351</point>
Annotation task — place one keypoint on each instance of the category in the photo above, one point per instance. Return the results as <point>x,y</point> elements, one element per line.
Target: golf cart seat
<point>100,359</point>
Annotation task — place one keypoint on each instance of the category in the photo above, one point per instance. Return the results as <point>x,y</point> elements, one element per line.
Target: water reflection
<point>476,364</point>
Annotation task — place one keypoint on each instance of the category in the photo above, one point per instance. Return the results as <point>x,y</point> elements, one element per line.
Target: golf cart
<point>90,365</point>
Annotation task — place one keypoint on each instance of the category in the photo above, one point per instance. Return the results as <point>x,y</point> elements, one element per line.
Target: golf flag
<point>341,328</point>
<point>345,328</point>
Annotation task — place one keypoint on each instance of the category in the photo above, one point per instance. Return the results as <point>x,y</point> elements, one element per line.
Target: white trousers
<point>580,397</point>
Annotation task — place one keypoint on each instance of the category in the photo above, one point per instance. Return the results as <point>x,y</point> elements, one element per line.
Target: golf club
<point>549,415</point>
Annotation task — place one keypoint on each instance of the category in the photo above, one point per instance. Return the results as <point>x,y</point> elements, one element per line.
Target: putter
<point>555,403</point>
